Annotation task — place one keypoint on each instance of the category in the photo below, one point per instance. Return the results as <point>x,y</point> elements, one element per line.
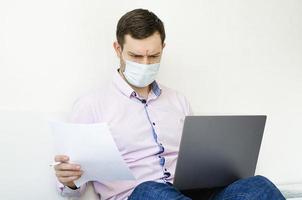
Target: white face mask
<point>140,75</point>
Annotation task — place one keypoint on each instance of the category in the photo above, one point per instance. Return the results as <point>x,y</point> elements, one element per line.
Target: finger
<point>68,179</point>
<point>61,158</point>
<point>67,166</point>
<point>68,173</point>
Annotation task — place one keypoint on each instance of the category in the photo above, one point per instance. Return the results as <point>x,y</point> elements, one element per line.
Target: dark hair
<point>140,24</point>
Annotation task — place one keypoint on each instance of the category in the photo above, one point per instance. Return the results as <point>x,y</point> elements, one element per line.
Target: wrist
<point>72,186</point>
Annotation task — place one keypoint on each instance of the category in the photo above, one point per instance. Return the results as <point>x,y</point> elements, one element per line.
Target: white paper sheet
<point>92,147</point>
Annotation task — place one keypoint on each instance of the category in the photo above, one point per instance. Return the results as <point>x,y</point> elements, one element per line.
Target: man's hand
<point>67,173</point>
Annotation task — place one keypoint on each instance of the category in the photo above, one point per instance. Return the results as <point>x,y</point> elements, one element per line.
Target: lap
<point>257,187</point>
<point>164,191</point>
<point>202,194</point>
<point>152,190</point>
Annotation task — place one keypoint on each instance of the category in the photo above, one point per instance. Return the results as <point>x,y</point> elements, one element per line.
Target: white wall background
<point>227,57</point>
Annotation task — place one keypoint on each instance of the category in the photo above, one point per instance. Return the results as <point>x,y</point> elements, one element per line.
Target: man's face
<point>143,51</point>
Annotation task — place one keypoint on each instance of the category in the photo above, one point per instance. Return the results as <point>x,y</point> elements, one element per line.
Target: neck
<point>143,92</point>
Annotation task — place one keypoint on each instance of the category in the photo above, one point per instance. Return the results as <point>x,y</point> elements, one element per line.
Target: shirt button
<point>153,124</point>
<point>167,174</point>
<point>162,161</point>
<point>161,149</point>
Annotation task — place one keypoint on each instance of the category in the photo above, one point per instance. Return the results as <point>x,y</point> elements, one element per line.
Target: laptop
<point>218,150</point>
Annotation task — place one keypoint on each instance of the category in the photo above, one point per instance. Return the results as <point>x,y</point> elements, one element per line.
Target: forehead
<point>151,44</point>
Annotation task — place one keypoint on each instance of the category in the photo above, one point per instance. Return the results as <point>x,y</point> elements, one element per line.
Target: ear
<point>117,48</point>
<point>164,44</point>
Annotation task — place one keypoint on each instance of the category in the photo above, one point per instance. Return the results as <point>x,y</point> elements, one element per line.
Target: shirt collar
<point>127,90</point>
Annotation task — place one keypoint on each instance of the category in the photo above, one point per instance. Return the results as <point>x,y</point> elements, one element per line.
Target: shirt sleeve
<point>82,112</point>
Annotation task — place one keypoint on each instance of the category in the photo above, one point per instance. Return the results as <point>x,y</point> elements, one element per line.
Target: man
<point>146,121</point>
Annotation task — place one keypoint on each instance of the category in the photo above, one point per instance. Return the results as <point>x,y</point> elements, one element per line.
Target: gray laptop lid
<point>217,150</point>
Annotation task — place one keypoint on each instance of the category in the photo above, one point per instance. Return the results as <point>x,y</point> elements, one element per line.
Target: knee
<point>260,178</point>
<point>252,184</point>
<point>256,187</point>
<point>263,186</point>
<point>262,181</point>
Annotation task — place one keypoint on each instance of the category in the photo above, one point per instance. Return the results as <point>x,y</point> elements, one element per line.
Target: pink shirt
<point>147,132</point>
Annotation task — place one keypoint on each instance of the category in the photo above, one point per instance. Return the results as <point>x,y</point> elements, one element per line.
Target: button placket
<point>162,159</point>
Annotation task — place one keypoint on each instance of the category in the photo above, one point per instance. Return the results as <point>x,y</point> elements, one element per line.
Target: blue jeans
<point>253,188</point>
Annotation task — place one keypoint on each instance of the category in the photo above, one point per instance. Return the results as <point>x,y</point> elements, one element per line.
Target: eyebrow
<point>134,54</point>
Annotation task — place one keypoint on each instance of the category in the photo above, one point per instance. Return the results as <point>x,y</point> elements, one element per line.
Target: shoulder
<point>88,98</point>
<point>87,107</point>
